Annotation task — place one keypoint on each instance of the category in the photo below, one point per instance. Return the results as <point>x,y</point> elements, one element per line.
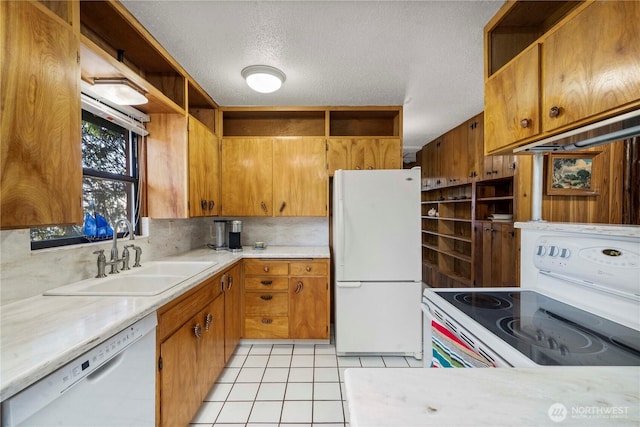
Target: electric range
<point>578,304</point>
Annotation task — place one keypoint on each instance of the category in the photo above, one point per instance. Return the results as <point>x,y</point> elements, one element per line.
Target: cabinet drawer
<point>269,268</point>
<point>266,327</point>
<point>266,283</point>
<point>173,315</point>
<point>308,268</point>
<point>266,303</point>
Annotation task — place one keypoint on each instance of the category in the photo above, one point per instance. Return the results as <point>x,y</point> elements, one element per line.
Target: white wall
<point>25,273</point>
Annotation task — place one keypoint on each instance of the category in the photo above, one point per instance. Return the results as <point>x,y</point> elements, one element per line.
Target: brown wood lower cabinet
<point>193,338</point>
<point>286,299</point>
<point>232,284</point>
<point>496,254</point>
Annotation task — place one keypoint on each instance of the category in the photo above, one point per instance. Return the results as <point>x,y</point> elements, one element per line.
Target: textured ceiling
<point>424,55</point>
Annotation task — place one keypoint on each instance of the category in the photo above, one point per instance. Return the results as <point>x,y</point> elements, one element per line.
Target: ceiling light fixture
<point>263,78</point>
<point>119,91</point>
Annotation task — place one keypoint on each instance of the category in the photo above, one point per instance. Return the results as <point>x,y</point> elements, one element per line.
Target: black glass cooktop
<point>548,331</point>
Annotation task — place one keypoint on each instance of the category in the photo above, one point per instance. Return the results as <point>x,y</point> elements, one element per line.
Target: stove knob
<point>564,351</point>
<point>565,253</point>
<point>541,251</point>
<point>552,344</point>
<point>540,335</point>
<point>553,251</point>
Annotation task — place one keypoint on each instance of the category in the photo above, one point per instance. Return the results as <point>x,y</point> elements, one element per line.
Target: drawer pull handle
<point>197,330</point>
<point>266,297</point>
<point>266,282</point>
<point>207,321</point>
<point>299,287</point>
<point>267,321</point>
<point>229,282</point>
<point>263,205</point>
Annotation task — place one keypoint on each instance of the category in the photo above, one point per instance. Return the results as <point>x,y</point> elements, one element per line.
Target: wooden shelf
<point>455,201</point>
<point>464,280</point>
<point>432,247</point>
<point>455,237</point>
<point>493,199</point>
<point>379,122</point>
<point>455,219</point>
<point>517,25</point>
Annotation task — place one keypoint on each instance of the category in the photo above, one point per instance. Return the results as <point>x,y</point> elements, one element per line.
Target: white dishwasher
<point>111,385</point>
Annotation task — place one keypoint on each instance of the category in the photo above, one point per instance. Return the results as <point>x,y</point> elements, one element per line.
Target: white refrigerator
<point>377,260</point>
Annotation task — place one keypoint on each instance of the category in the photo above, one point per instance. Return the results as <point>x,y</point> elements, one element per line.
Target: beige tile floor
<point>286,385</point>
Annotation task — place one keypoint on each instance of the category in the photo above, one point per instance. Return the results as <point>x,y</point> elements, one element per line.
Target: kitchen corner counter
<point>566,396</point>
<point>40,334</point>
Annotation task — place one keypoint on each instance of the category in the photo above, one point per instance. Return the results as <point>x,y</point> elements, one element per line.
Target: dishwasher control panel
<point>43,392</point>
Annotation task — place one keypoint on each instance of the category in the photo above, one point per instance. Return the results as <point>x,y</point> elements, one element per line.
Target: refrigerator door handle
<point>348,284</point>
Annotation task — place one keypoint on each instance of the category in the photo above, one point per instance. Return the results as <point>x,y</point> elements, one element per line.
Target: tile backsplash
<point>25,273</point>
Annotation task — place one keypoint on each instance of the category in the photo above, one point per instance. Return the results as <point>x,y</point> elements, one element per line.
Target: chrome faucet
<point>114,249</point>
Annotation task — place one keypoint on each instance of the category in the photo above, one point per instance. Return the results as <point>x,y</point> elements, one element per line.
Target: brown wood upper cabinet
<point>204,170</point>
<point>567,64</point>
<point>271,176</point>
<point>182,167</point>
<point>364,153</point>
<point>41,180</point>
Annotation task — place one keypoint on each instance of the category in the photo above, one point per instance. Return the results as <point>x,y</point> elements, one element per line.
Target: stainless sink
<point>153,278</point>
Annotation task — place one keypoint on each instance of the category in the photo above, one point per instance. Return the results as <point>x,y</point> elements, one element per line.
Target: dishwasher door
<point>111,385</point>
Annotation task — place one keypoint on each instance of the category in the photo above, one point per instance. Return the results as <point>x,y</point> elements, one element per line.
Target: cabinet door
<point>204,170</point>
<point>300,181</point>
<point>454,150</point>
<point>232,314</point>
<point>592,63</point>
<point>496,254</point>
<point>308,308</point>
<point>511,107</point>
<point>338,155</point>
<point>179,391</point>
<point>247,176</point>
<point>390,154</point>
<point>211,357</point>
<point>41,159</point>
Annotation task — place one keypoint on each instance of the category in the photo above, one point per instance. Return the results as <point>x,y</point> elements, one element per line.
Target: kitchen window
<point>110,185</point>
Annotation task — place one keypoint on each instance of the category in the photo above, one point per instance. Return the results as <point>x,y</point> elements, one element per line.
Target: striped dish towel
<point>450,352</point>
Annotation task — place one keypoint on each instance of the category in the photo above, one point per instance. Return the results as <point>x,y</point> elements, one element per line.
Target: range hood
<point>616,128</point>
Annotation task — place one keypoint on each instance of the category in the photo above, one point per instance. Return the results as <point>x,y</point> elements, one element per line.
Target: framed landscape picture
<point>570,174</point>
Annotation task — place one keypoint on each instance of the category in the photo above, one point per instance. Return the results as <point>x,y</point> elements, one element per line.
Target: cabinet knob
<point>554,112</point>
<point>229,282</point>
<point>207,321</point>
<point>263,205</point>
<point>203,204</point>
<point>211,204</point>
<point>358,168</point>
<point>525,123</point>
<point>197,330</point>
<point>282,206</point>
<point>308,269</point>
<point>370,167</point>
<point>299,287</point>
<point>266,268</point>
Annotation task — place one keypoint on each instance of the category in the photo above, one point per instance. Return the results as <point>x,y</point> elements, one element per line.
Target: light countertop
<point>43,333</point>
<point>551,396</point>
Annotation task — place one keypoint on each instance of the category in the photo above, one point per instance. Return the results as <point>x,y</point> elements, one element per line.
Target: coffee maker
<point>235,231</point>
